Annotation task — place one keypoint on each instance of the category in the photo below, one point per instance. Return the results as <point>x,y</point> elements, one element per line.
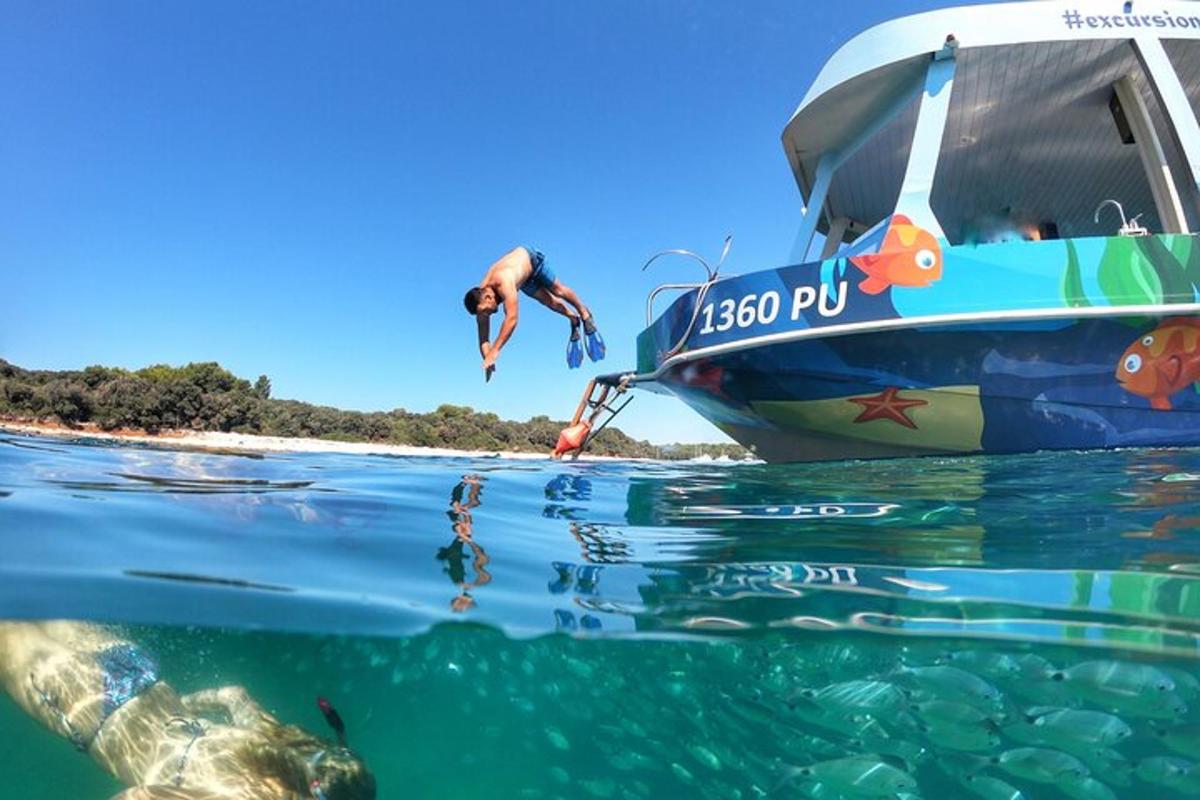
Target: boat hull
<point>868,381</point>
<point>999,389</point>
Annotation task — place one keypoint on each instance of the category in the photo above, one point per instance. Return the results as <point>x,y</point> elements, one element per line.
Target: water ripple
<point>1077,547</point>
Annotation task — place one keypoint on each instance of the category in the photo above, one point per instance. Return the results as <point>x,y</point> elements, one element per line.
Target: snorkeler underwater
<point>105,696</point>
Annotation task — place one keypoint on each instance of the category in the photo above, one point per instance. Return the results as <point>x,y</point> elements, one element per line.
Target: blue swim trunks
<point>542,276</point>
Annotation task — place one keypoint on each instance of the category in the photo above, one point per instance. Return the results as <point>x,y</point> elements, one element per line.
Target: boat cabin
<point>1013,120</point>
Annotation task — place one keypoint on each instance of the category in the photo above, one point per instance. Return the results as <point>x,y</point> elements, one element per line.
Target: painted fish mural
<point>909,256</point>
<point>1164,361</point>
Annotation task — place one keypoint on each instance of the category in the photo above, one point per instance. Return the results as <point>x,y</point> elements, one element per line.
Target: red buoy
<point>572,438</point>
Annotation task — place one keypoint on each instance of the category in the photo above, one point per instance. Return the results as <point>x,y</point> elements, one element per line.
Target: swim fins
<point>595,342</point>
<point>564,579</point>
<point>574,349</point>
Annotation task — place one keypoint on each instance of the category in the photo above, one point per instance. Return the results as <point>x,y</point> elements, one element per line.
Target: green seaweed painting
<point>1138,270</point>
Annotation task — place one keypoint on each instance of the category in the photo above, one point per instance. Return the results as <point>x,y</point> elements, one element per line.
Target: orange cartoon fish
<point>1162,362</point>
<point>910,256</point>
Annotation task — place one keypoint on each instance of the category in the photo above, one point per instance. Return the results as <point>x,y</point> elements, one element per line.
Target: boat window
<point>1032,145</point>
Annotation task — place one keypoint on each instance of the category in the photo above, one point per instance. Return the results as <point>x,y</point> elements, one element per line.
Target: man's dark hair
<point>471,299</point>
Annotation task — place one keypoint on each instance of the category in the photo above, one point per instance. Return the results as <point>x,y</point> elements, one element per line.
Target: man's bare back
<point>508,272</point>
<point>524,270</point>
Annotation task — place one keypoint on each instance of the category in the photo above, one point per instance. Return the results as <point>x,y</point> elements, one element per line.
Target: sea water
<point>938,627</point>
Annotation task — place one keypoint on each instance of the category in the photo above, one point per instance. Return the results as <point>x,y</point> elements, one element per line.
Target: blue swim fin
<point>595,342</point>
<point>574,349</point>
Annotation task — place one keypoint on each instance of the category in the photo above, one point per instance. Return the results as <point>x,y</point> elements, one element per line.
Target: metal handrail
<point>662,288</point>
<point>710,272</point>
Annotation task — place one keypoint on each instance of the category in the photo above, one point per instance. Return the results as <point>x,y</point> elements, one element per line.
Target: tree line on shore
<point>207,397</point>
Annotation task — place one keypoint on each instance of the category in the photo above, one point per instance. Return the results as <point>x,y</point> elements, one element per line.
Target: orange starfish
<point>887,405</point>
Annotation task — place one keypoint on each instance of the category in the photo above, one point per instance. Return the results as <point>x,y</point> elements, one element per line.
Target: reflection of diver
<point>105,696</point>
<point>453,555</point>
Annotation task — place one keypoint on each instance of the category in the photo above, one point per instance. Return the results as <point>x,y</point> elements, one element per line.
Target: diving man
<point>524,268</point>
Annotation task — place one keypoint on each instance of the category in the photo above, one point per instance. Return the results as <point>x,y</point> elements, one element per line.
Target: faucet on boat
<point>1128,227</point>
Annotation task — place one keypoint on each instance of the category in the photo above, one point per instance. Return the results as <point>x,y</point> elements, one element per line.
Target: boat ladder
<point>598,405</point>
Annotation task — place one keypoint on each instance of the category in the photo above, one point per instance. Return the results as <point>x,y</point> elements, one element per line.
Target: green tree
<point>204,396</point>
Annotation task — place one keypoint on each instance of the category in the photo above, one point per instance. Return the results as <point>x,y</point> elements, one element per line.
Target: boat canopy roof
<point>1053,108</point>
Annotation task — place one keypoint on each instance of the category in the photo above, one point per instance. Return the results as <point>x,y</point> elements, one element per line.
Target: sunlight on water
<point>975,627</point>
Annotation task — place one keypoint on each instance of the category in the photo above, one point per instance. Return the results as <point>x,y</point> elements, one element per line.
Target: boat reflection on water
<point>971,547</point>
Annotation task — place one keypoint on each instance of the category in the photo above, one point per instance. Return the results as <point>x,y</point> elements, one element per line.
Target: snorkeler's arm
<point>233,701</point>
<point>163,793</point>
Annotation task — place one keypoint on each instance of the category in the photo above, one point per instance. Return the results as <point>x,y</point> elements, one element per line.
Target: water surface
<point>513,629</point>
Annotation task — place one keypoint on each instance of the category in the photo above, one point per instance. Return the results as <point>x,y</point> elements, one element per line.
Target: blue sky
<point>307,189</point>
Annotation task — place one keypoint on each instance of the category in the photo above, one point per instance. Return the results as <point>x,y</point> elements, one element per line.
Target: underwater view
<point>201,625</point>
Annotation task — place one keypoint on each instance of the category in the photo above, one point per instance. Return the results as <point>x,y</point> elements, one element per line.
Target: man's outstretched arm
<point>511,310</point>
<point>484,323</point>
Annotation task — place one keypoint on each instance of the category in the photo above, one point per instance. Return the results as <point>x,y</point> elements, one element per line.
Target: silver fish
<point>704,756</point>
<point>908,751</point>
<point>804,746</point>
<point>869,696</point>
<point>1033,666</point>
<point>600,787</point>
<point>863,776</point>
<point>1116,678</point>
<point>1108,763</point>
<point>1182,739</point>
<point>971,740</point>
<point>1186,683</point>
<point>1041,765</point>
<point>682,773</point>
<point>984,662</point>
<point>1023,731</point>
<point>557,739</point>
<point>990,788</point>
<point>628,760</point>
<point>846,724</point>
<point>1043,692</point>
<point>951,683</point>
<point>961,765</point>
<point>1160,705</point>
<point>1138,690</point>
<point>1087,789</point>
<point>934,712</point>
<point>1167,771</point>
<point>1086,727</point>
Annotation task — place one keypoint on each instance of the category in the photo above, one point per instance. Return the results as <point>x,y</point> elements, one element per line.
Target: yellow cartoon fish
<point>909,256</point>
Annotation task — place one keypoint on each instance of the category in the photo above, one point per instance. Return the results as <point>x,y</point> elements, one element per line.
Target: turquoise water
<point>965,627</point>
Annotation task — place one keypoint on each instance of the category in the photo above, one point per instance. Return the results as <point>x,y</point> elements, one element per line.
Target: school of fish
<point>857,720</point>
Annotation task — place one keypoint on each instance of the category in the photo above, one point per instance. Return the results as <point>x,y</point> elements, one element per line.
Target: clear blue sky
<point>307,189</point>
